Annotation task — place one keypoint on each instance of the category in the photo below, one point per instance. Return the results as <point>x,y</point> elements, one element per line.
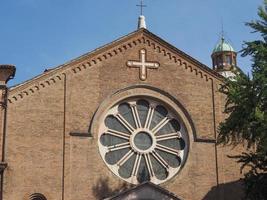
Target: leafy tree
<point>246,106</point>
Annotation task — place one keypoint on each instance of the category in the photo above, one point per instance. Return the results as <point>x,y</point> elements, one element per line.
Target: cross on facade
<point>141,5</point>
<point>143,65</point>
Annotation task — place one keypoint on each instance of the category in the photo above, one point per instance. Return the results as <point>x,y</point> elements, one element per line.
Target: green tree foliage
<point>246,106</point>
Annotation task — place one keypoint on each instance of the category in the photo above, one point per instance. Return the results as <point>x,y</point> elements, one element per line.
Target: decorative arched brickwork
<point>93,58</point>
<point>37,196</point>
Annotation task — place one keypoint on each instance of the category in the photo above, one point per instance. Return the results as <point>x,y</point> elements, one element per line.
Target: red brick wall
<point>39,146</point>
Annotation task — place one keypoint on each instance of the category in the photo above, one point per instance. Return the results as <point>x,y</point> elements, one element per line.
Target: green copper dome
<point>223,46</point>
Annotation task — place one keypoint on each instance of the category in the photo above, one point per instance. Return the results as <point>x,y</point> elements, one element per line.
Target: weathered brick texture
<point>42,156</point>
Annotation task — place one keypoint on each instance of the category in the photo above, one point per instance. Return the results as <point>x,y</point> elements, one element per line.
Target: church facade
<point>134,119</point>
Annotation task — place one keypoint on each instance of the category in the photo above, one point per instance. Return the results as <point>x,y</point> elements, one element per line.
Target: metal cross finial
<point>141,5</point>
<point>222,36</point>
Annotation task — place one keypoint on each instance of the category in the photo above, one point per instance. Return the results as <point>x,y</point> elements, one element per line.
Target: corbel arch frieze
<point>143,40</point>
<point>33,88</point>
<point>88,62</point>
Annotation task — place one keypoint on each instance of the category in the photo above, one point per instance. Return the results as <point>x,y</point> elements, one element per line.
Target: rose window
<point>143,140</point>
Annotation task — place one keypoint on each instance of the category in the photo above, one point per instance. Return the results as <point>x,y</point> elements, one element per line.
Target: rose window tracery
<point>141,139</point>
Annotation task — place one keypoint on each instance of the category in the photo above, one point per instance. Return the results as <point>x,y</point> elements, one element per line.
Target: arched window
<point>37,196</point>
<point>228,60</point>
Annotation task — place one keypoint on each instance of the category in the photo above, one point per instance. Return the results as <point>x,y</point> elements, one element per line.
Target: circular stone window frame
<point>143,92</point>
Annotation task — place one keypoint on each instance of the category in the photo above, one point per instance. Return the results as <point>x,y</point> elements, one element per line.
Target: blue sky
<point>40,34</point>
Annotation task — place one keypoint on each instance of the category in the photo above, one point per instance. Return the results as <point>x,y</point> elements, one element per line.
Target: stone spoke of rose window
<point>167,149</point>
<point>126,157</point>
<point>118,134</point>
<point>149,165</point>
<point>160,160</point>
<point>117,147</point>
<point>136,116</point>
<point>136,164</point>
<point>168,136</point>
<point>149,117</point>
<point>162,123</point>
<point>124,123</point>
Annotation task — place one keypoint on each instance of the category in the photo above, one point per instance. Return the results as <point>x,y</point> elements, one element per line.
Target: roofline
<point>195,61</point>
<point>101,48</point>
<point>59,67</point>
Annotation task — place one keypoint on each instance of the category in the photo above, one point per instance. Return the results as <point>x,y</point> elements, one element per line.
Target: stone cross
<point>143,65</point>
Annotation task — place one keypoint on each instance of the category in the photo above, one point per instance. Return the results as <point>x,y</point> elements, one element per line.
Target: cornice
<point>161,47</point>
<point>185,56</point>
<point>52,76</point>
<point>86,61</point>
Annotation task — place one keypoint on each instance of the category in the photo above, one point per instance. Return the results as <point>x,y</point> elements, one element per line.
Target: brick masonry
<point>44,158</point>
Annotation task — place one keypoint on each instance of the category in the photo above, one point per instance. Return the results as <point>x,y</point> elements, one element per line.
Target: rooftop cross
<point>141,5</point>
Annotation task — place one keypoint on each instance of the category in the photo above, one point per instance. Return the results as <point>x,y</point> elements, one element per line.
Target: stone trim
<point>79,134</point>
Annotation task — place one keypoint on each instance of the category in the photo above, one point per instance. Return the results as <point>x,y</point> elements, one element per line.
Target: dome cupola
<point>223,46</point>
<point>223,58</point>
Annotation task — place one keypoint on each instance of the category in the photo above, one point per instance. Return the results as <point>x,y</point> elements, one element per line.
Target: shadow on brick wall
<point>232,190</point>
<point>103,188</point>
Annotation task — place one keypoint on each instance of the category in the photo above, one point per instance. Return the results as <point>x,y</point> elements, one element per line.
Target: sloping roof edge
<point>62,66</point>
<point>120,39</point>
<point>195,61</point>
